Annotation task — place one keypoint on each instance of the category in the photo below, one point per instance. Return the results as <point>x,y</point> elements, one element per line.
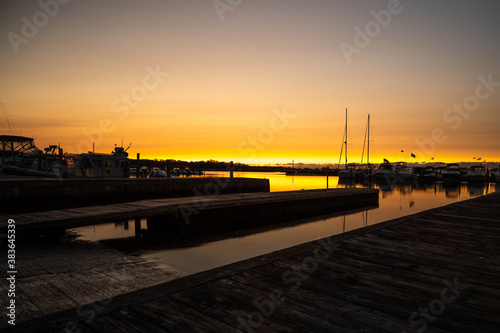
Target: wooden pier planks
<point>77,217</point>
<point>423,272</point>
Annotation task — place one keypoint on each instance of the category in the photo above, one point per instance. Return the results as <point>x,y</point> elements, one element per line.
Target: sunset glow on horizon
<point>262,83</point>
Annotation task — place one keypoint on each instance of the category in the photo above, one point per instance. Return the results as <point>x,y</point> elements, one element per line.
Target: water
<point>394,202</point>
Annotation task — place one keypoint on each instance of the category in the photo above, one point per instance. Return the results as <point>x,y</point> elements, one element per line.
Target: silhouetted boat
<point>477,173</point>
<point>433,173</point>
<point>20,156</point>
<point>92,165</point>
<point>452,173</point>
<point>403,172</point>
<point>386,173</point>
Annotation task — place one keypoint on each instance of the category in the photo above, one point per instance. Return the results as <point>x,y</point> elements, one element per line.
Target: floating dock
<point>202,214</point>
<point>435,271</point>
<point>32,194</point>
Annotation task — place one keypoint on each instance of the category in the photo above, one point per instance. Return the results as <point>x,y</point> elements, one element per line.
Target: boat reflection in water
<point>194,255</point>
<point>476,188</point>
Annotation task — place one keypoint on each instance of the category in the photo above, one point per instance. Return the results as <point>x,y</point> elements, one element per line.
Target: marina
<point>173,166</point>
<point>390,273</point>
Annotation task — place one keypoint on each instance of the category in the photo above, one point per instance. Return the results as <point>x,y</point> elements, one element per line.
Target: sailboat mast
<point>368,151</point>
<point>345,138</point>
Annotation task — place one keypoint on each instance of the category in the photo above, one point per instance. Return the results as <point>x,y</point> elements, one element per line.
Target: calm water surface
<point>395,201</point>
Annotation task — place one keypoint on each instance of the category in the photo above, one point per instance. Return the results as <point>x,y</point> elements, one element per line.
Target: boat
<point>350,171</point>
<point>417,172</point>
<point>491,175</point>
<point>366,171</point>
<point>96,165</point>
<point>386,173</point>
<point>497,175</point>
<point>157,173</point>
<point>429,174</point>
<point>477,173</point>
<point>20,156</point>
<point>403,172</point>
<point>452,173</point>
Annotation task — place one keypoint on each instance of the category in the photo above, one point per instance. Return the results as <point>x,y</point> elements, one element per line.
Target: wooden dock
<point>435,271</point>
<point>202,214</point>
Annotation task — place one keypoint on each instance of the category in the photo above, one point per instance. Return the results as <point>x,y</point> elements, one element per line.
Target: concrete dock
<point>200,214</point>
<point>435,271</point>
<point>34,194</point>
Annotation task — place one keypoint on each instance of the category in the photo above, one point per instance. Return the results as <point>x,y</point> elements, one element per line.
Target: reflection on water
<point>395,200</point>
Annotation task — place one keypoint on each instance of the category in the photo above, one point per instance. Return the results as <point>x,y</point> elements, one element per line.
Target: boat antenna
<point>128,146</point>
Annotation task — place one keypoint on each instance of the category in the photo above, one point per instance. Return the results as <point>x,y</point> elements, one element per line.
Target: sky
<point>255,81</point>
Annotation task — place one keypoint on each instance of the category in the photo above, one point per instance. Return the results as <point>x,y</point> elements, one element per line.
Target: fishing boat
<point>497,175</point>
<point>95,165</point>
<point>477,173</point>
<point>20,156</point>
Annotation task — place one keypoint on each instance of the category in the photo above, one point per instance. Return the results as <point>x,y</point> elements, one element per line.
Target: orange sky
<point>177,82</point>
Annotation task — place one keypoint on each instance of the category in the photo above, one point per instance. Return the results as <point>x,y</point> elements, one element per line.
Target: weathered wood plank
<point>420,272</point>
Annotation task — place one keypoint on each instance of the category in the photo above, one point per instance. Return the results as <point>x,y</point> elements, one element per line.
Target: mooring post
<point>137,228</point>
<point>231,169</point>
<point>138,171</point>
<point>326,178</point>
<point>169,168</point>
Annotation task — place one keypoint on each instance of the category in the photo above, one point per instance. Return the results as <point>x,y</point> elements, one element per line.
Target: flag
<point>402,151</point>
<point>386,161</point>
<point>413,155</point>
<point>432,159</point>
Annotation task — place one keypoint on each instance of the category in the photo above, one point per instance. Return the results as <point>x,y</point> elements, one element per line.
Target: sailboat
<point>349,172</point>
<point>366,170</point>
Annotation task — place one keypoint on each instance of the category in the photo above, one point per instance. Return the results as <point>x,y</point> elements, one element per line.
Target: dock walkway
<point>435,271</point>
